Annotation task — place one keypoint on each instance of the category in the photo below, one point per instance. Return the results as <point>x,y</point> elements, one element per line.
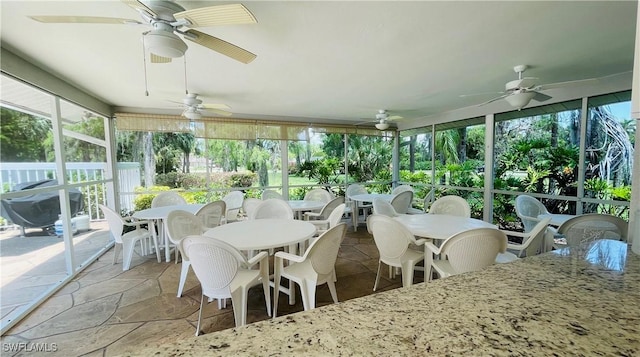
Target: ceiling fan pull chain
<point>144,64</point>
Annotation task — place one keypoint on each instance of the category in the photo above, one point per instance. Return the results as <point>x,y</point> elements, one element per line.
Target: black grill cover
<point>40,210</point>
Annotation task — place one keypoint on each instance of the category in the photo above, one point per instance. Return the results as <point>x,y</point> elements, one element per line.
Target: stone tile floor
<point>106,312</point>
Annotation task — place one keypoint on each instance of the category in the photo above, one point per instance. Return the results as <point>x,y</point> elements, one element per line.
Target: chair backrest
<point>212,213</point>
<point>273,208</point>
<point>267,194</point>
<point>401,188</point>
<point>534,244</point>
<point>168,198</point>
<point>323,252</point>
<point>233,201</point>
<point>428,199</point>
<point>453,205</point>
<point>115,222</point>
<point>215,263</point>
<point>180,224</point>
<point>474,249</point>
<point>390,236</point>
<point>330,207</point>
<point>249,205</point>
<point>318,194</point>
<point>528,208</point>
<point>384,208</point>
<point>356,189</point>
<point>592,226</point>
<point>336,215</point>
<point>402,201</point>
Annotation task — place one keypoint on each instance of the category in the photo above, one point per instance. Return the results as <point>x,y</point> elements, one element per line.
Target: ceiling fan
<point>194,108</point>
<point>519,93</point>
<point>169,20</point>
<point>382,119</point>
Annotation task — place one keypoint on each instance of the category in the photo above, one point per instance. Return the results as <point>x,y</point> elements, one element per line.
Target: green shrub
<point>190,181</point>
<point>242,179</point>
<point>143,201</point>
<point>170,179</point>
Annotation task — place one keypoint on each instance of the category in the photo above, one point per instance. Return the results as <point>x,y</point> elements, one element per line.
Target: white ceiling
<point>337,61</point>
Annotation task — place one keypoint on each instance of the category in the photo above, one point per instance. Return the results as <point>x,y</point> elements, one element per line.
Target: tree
<point>17,133</point>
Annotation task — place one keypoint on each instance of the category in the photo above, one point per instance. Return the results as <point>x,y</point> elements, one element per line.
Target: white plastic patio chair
<point>466,251</point>
<point>352,190</point>
<point>273,208</point>
<point>168,198</point>
<point>233,201</point>
<point>528,208</point>
<point>452,205</point>
<point>402,201</point>
<point>325,211</point>
<point>315,267</point>
<point>394,242</point>
<point>592,226</point>
<point>333,220</point>
<point>318,194</point>
<point>426,202</point>
<point>127,241</point>
<point>267,194</point>
<point>532,243</point>
<point>225,273</point>
<point>178,225</point>
<point>212,214</point>
<point>249,206</point>
<point>401,188</point>
<point>384,208</point>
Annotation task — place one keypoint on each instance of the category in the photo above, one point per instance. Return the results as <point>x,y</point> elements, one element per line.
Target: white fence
<point>15,173</point>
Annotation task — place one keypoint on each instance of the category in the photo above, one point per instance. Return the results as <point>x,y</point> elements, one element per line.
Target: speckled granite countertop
<point>580,302</point>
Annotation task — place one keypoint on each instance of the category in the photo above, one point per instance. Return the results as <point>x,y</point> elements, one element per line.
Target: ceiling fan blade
<point>394,117</point>
<point>219,112</point>
<point>213,106</point>
<point>139,6</point>
<point>541,97</point>
<point>159,59</point>
<point>579,82</point>
<point>220,46</point>
<point>477,94</point>
<point>217,15</point>
<point>493,100</point>
<point>83,20</point>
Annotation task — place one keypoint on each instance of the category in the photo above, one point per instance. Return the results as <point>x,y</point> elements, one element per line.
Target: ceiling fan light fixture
<point>520,100</point>
<point>192,115</point>
<point>382,126</point>
<point>164,43</point>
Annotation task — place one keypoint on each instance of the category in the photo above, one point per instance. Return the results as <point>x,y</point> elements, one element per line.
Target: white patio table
<point>159,214</point>
<point>262,234</point>
<point>556,218</point>
<point>301,206</point>
<point>365,197</point>
<point>439,226</point>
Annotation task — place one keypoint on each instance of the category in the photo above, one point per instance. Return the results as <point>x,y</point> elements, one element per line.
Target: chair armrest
<point>512,246</point>
<point>257,259</point>
<point>307,215</point>
<point>515,234</point>
<point>289,256</point>
<point>422,241</point>
<point>432,247</point>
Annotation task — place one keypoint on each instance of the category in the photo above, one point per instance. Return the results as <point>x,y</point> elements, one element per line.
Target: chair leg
<point>116,251</point>
<point>407,274</point>
<point>264,276</point>
<point>200,315</point>
<point>184,270</point>
<point>276,289</point>
<point>332,290</point>
<point>239,302</point>
<point>127,247</point>
<point>375,285</point>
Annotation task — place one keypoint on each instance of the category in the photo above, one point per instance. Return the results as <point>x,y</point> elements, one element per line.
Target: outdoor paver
<point>150,334</point>
<point>105,288</point>
<point>161,307</point>
<point>141,292</point>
